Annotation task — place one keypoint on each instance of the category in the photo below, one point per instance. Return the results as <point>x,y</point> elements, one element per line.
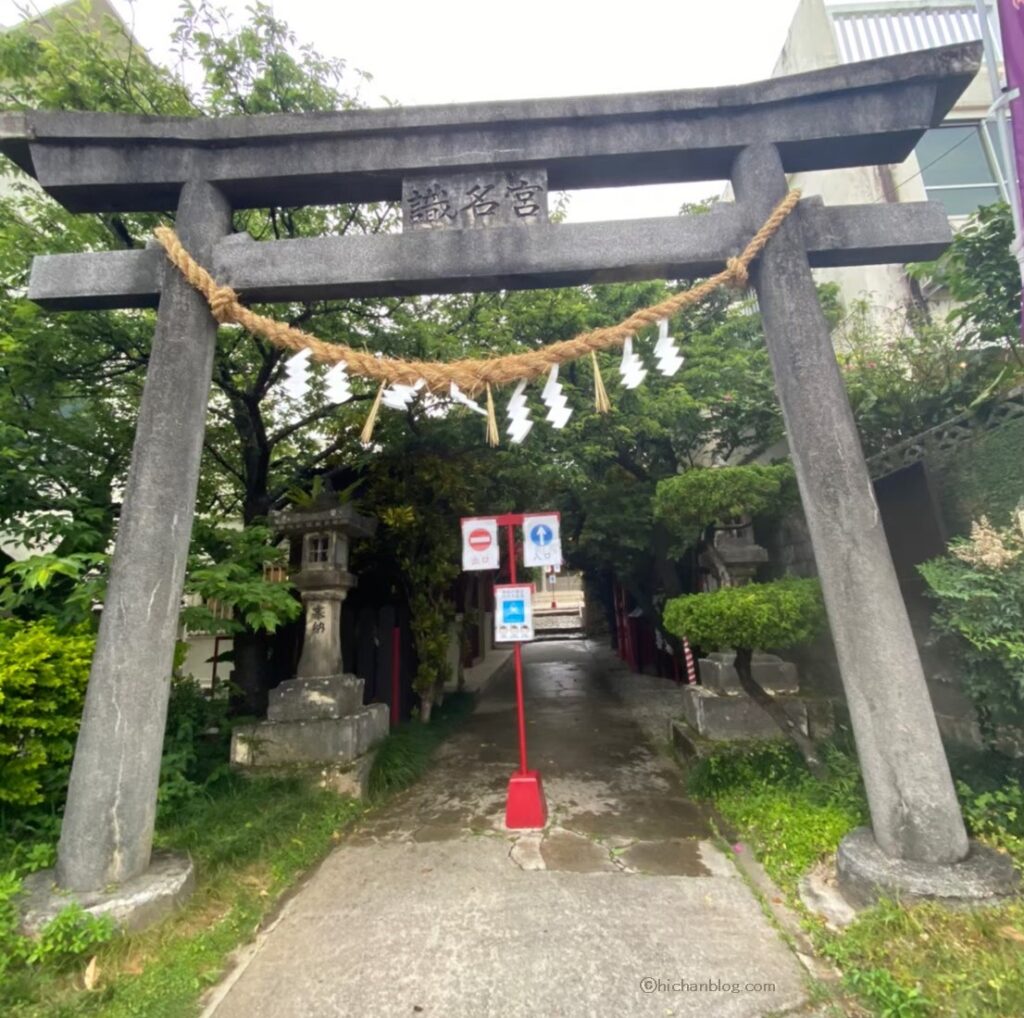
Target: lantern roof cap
<point>323,515</point>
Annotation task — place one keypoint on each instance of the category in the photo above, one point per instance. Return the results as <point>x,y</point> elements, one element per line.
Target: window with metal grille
<point>959,168</point>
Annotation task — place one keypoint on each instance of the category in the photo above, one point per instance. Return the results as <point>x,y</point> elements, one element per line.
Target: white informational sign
<point>480,543</point>
<point>513,612</point>
<point>542,541</point>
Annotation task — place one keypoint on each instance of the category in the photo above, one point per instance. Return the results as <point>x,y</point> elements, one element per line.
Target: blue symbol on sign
<point>513,611</point>
<point>542,534</point>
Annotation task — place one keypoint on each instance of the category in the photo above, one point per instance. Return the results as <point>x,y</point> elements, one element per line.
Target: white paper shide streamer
<point>458,396</point>
<point>559,410</point>
<point>337,386</point>
<point>296,377</point>
<point>519,423</point>
<point>632,367</point>
<point>669,358</point>
<point>398,397</point>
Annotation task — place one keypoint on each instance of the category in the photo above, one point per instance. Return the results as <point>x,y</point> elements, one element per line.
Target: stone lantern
<point>317,716</point>
<point>734,558</point>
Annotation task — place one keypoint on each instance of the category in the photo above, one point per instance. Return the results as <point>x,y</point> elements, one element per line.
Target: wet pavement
<point>621,906</point>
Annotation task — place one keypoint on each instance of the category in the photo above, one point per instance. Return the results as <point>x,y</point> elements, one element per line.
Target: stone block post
<point>914,811</point>
<point>107,833</point>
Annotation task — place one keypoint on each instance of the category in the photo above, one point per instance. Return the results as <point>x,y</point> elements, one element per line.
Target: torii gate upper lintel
<point>857,114</point>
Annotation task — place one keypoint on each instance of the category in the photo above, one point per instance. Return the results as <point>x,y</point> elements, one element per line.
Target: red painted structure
<point>525,806</point>
<point>691,667</point>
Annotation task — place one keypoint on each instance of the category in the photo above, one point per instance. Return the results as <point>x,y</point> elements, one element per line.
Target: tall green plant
<point>43,675</point>
<point>913,372</point>
<point>983,278</point>
<point>979,592</point>
<point>427,558</point>
<point>230,569</point>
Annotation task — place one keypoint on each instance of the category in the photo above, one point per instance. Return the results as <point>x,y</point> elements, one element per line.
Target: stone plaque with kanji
<point>490,198</point>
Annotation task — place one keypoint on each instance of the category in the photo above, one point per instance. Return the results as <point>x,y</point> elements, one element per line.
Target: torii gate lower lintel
<point>853,115</point>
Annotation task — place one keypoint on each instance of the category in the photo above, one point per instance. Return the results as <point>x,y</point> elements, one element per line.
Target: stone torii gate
<point>853,115</point>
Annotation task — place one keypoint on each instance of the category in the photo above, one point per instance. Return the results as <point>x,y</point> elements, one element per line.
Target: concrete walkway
<point>619,908</point>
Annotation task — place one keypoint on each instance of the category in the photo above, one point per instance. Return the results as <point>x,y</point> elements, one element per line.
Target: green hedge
<point>763,615</point>
<point>43,675</point>
<point>688,502</point>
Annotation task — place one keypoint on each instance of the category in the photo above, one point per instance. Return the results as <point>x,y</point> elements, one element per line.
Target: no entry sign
<point>480,542</point>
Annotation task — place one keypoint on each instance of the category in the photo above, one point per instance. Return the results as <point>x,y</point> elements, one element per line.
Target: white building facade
<point>958,164</point>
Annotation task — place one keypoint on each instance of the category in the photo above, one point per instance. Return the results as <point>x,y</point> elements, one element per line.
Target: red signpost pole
<point>525,807</point>
<point>517,653</point>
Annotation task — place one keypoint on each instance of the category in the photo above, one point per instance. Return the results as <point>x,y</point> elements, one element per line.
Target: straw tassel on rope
<point>602,403</point>
<point>492,420</point>
<point>371,418</point>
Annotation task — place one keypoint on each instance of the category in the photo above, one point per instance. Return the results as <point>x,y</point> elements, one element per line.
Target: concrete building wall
<point>826,34</point>
<point>811,44</point>
<point>198,659</point>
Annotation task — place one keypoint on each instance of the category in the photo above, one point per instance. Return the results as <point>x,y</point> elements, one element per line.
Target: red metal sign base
<point>525,807</point>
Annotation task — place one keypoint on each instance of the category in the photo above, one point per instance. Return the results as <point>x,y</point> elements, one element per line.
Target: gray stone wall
<point>975,464</point>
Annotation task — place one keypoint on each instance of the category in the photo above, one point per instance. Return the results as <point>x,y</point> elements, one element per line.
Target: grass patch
<point>900,962</point>
<point>790,819</point>
<point>406,753</point>
<point>250,838</point>
<point>928,960</point>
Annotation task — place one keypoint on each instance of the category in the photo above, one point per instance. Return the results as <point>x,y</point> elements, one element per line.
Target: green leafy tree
<point>231,573</point>
<point>688,503</point>
<point>914,373</point>
<point>70,384</point>
<point>983,278</point>
<point>431,471</point>
<point>784,613</point>
<point>720,406</point>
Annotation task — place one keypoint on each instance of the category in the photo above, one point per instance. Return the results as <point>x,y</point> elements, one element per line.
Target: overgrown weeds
<point>405,754</point>
<point>900,962</point>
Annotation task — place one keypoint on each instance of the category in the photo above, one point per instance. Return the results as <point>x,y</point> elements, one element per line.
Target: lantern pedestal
<point>316,740</point>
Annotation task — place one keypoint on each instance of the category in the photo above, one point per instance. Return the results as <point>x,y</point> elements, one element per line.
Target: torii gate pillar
<point>107,832</point>
<point>917,840</point>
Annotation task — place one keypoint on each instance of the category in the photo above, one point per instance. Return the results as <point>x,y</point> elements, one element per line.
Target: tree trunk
<point>777,712</point>
<point>724,575</point>
<point>251,676</point>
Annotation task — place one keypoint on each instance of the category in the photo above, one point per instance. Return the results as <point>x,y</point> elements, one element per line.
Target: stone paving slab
<point>452,929</point>
<point>432,907</point>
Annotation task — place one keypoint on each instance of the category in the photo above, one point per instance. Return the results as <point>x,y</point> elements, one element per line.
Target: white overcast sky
<point>440,51</point>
